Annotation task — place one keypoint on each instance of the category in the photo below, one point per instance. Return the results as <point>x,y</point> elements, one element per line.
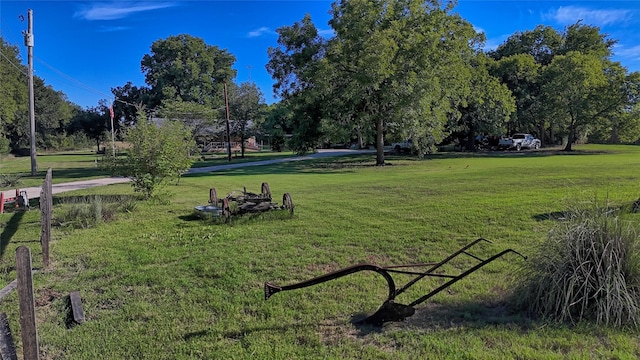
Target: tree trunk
<point>572,133</point>
<point>360,139</point>
<point>541,133</point>
<point>242,146</point>
<point>379,142</point>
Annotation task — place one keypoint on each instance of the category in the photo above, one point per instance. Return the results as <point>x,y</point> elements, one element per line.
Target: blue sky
<point>84,48</point>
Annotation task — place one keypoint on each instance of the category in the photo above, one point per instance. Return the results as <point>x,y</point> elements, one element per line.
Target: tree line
<point>393,70</point>
<point>185,82</point>
<point>410,69</point>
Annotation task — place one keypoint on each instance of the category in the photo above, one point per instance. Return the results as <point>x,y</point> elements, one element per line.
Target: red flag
<point>111,111</point>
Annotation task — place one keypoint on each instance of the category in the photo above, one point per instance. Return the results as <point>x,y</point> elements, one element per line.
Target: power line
<point>14,65</point>
<point>77,82</point>
<point>81,84</point>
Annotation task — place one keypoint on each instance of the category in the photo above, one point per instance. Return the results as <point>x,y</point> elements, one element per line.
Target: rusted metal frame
<point>420,274</point>
<point>436,266</point>
<point>270,289</point>
<point>462,275</point>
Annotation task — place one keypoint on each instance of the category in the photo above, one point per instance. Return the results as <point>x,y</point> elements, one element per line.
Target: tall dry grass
<point>587,269</point>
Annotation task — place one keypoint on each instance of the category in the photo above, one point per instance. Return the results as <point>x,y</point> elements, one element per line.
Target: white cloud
<point>328,33</point>
<point>632,53</point>
<point>118,10</point>
<point>259,32</point>
<point>570,14</point>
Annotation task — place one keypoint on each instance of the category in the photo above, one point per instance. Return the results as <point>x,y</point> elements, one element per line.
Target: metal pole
<point>28,41</point>
<point>113,138</point>
<point>226,101</point>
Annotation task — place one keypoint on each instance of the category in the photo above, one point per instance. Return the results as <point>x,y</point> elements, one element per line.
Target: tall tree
<point>246,110</point>
<point>127,99</point>
<point>487,107</point>
<point>277,125</point>
<point>296,66</point>
<point>406,63</point>
<point>542,43</point>
<point>93,122</point>
<point>570,92</point>
<point>586,39</point>
<point>52,113</point>
<point>185,68</point>
<point>13,92</point>
<point>520,73</point>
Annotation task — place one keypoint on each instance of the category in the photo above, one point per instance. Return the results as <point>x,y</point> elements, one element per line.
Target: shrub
<point>157,153</point>
<point>10,180</point>
<point>588,268</point>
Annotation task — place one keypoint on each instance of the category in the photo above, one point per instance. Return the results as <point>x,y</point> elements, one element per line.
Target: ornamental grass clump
<point>587,269</point>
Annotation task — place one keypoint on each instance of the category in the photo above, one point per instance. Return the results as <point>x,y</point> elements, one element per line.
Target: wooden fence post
<point>27,304</point>
<point>7,346</point>
<point>46,207</point>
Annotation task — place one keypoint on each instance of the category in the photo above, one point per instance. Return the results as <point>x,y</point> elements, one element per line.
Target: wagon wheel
<point>287,203</point>
<point>226,211</point>
<point>265,189</point>
<point>213,197</point>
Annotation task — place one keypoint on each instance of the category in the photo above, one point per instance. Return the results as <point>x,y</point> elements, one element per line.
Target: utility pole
<point>28,42</point>
<point>249,67</point>
<point>226,102</point>
<point>113,137</point>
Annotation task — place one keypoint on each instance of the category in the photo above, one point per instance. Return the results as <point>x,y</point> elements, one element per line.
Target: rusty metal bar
<point>461,276</point>
<point>270,289</point>
<point>436,266</point>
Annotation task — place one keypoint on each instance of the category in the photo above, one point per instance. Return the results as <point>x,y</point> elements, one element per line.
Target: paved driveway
<point>34,192</point>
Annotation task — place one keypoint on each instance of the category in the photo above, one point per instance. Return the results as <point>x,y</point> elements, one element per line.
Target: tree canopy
<point>399,66</point>
<point>185,68</point>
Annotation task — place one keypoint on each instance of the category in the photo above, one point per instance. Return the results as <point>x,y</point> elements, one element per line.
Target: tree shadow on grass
<point>10,229</point>
<point>342,164</point>
<point>239,334</point>
<point>568,214</point>
<point>441,317</point>
<point>77,199</point>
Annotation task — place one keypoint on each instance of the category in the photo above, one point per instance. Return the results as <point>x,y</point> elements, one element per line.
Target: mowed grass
<point>161,283</point>
<point>67,166</point>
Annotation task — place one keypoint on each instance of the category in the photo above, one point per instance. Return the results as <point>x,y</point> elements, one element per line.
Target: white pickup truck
<point>404,146</point>
<point>519,141</point>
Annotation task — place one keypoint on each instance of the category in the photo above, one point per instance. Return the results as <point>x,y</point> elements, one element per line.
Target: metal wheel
<point>265,189</point>
<point>536,146</point>
<point>226,211</point>
<point>287,203</point>
<point>213,197</point>
<point>518,147</point>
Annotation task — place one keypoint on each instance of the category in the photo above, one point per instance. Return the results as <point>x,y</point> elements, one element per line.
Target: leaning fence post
<point>7,346</point>
<point>27,304</point>
<point>46,205</point>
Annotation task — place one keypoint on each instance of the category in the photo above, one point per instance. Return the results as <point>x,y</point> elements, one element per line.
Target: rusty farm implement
<point>241,202</point>
<point>390,309</point>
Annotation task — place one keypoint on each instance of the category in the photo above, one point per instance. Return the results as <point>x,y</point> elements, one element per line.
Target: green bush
<point>587,269</point>
<point>157,153</point>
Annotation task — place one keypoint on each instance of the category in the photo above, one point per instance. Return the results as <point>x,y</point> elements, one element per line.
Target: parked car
<point>404,146</point>
<point>519,141</point>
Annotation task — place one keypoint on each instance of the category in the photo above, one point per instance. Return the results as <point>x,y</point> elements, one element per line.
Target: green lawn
<point>160,283</point>
<point>67,166</point>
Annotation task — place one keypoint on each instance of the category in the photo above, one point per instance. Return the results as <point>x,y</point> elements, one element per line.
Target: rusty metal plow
<point>390,309</point>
